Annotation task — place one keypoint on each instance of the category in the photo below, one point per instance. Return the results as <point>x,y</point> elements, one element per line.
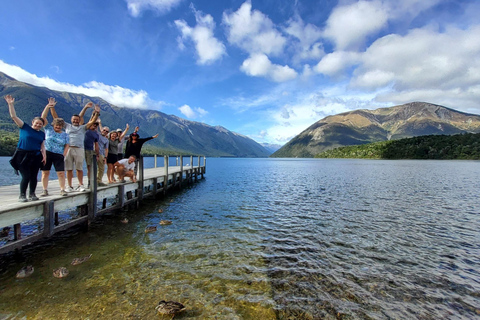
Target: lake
<point>272,239</point>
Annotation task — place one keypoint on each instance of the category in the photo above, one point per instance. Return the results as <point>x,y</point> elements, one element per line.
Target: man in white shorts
<point>76,153</point>
<point>124,168</point>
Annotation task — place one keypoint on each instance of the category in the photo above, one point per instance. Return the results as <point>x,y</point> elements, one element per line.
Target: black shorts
<point>56,159</point>
<point>112,158</point>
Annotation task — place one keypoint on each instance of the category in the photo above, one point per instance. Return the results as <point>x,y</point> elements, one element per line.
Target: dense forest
<point>461,146</point>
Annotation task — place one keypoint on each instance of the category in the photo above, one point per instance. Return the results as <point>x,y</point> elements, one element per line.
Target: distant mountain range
<point>176,135</point>
<point>366,126</point>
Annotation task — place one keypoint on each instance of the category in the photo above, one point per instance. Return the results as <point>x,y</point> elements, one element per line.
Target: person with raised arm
<point>135,143</point>
<point>76,152</point>
<point>30,153</point>
<point>112,158</point>
<point>134,146</point>
<point>103,152</point>
<point>90,144</point>
<point>56,144</point>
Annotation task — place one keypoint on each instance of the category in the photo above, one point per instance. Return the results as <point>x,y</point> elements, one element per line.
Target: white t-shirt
<point>128,166</point>
<point>76,134</point>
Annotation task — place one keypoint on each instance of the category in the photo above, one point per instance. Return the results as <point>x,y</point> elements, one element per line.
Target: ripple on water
<point>304,239</point>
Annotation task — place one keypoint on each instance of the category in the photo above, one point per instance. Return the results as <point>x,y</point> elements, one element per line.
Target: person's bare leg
<point>80,177</point>
<point>45,175</point>
<point>70,178</point>
<point>61,179</point>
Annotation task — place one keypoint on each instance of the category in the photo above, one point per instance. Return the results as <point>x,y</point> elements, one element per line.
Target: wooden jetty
<point>94,201</point>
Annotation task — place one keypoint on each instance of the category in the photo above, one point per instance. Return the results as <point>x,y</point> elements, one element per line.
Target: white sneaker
<point>69,189</point>
<point>80,188</point>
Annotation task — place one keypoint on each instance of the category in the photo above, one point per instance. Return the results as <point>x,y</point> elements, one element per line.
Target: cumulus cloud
<point>190,113</point>
<point>253,31</point>
<point>209,48</point>
<point>422,63</point>
<point>335,63</point>
<point>306,36</point>
<point>135,7</point>
<point>115,95</point>
<point>258,65</point>
<point>307,110</point>
<point>349,26</point>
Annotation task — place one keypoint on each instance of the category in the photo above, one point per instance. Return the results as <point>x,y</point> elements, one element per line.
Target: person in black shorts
<point>113,140</point>
<point>56,144</point>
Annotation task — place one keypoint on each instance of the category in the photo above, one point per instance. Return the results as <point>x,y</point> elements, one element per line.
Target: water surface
<point>274,239</point>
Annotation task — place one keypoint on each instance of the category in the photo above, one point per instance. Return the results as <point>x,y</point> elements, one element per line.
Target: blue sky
<point>266,69</point>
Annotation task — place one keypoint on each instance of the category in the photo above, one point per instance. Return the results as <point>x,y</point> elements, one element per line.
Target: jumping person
<point>30,153</point>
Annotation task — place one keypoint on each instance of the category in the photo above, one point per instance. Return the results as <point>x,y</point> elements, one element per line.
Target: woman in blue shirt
<point>30,153</point>
<point>56,143</point>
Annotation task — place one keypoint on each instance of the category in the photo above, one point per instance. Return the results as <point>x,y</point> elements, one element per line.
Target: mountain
<point>366,126</point>
<point>176,135</point>
<point>271,148</point>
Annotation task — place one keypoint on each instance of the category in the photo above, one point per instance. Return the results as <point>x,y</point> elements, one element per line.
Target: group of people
<point>66,146</point>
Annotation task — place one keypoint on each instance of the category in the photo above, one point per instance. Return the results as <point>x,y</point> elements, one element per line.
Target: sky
<point>267,69</point>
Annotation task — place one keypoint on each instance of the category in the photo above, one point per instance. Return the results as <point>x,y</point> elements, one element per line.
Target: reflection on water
<point>273,239</point>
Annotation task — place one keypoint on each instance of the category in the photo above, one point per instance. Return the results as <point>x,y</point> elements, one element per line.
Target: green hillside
<point>460,146</point>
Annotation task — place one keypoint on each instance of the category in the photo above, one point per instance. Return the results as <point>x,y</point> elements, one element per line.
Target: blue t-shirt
<point>91,136</point>
<point>102,144</point>
<point>55,141</point>
<point>30,139</point>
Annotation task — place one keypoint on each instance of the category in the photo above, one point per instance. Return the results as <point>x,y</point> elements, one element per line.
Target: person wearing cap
<point>135,143</point>
<point>90,144</point>
<point>103,152</point>
<point>134,146</point>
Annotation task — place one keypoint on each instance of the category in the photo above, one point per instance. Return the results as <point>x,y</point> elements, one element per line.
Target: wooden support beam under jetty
<point>93,202</point>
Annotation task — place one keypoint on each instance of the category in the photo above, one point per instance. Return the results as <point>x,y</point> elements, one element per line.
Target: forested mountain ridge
<point>366,126</point>
<point>439,147</point>
<point>176,135</point>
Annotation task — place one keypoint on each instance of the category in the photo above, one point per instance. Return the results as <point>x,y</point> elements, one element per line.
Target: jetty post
<point>89,205</point>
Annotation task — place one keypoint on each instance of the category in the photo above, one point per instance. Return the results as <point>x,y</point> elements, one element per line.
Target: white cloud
<point>135,7</point>
<point>258,65</point>
<point>209,49</point>
<point>349,26</point>
<point>115,95</point>
<point>306,45</point>
<point>423,64</point>
<point>190,113</point>
<point>253,31</point>
<point>335,63</point>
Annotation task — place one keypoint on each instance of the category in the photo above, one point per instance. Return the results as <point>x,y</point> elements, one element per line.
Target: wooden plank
<point>20,243</point>
<point>20,214</point>
<point>76,200</point>
<point>69,224</point>
<point>159,180</point>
